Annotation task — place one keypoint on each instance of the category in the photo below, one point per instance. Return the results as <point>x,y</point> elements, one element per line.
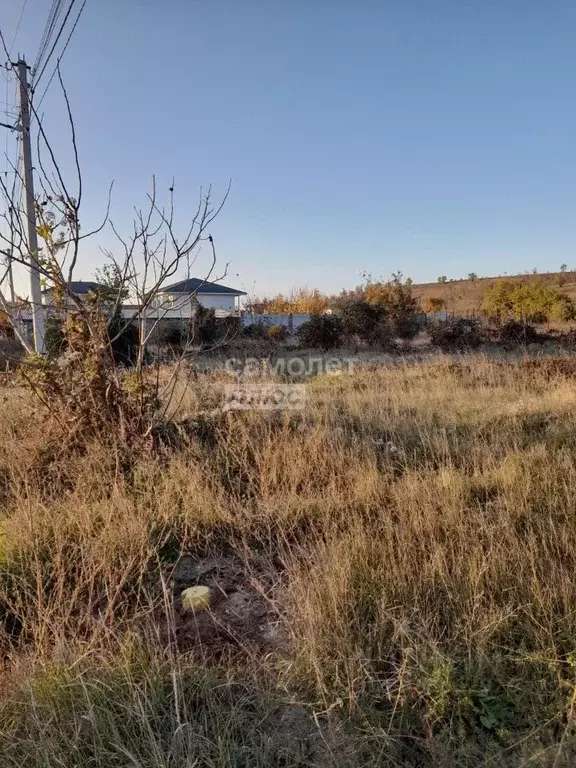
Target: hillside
<point>465,296</point>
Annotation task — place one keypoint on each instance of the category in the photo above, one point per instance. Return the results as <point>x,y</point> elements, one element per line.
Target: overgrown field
<point>467,296</point>
<point>393,572</point>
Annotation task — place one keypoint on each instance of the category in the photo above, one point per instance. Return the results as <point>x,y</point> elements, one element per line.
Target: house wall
<point>217,301</point>
<point>177,304</point>
<point>180,303</point>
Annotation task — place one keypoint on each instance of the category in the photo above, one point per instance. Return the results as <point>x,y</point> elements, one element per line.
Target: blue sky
<point>431,137</point>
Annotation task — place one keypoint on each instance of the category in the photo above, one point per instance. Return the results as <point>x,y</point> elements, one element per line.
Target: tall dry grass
<point>413,528</point>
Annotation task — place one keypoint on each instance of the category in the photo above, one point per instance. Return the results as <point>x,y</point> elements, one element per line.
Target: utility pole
<point>29,207</point>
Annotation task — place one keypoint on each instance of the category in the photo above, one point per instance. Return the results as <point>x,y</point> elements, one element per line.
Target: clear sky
<point>431,136</point>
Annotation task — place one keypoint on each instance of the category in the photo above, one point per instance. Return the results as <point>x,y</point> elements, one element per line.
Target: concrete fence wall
<point>290,321</point>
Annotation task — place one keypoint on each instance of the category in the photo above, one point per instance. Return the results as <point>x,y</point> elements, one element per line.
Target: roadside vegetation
<point>547,297</point>
<point>394,570</point>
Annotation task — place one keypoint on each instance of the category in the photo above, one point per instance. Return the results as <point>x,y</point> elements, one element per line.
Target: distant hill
<point>465,296</point>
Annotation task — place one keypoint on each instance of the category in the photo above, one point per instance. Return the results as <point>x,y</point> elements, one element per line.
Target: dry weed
<point>424,595</point>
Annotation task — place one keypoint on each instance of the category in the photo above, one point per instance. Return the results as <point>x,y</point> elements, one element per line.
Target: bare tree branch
<point>155,250</point>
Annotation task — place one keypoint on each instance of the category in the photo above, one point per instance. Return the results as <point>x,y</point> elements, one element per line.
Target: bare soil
<point>242,618</point>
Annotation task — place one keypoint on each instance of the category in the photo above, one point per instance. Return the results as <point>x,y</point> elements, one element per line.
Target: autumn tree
<point>433,304</point>
<point>527,302</point>
<point>396,299</point>
<point>278,304</point>
<point>361,320</point>
<point>300,300</point>
<point>308,301</point>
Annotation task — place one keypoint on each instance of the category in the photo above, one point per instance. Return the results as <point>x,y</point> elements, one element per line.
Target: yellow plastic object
<point>196,598</point>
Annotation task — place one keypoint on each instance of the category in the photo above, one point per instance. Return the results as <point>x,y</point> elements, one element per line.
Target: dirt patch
<point>242,618</point>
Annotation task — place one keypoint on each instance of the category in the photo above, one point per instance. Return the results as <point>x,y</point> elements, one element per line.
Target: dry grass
<point>413,532</point>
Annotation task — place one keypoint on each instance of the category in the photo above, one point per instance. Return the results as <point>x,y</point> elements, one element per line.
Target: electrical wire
<point>48,26</point>
<point>6,130</point>
<point>37,106</point>
<point>53,16</point>
<point>3,41</point>
<point>36,79</point>
<point>17,189</point>
<point>18,25</point>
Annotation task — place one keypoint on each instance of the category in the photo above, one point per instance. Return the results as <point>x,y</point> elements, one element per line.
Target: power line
<point>37,107</point>
<point>7,116</point>
<point>7,82</point>
<point>42,46</point>
<point>18,25</point>
<point>53,16</point>
<point>39,77</point>
<point>3,41</point>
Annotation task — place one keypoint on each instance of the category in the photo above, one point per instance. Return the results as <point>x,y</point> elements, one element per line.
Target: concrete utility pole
<point>29,207</point>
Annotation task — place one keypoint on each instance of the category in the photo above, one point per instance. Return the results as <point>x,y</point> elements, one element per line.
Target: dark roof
<point>194,285</point>
<point>81,287</point>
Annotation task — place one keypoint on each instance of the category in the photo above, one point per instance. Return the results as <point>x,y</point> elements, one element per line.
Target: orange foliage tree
<point>433,304</point>
<point>300,300</point>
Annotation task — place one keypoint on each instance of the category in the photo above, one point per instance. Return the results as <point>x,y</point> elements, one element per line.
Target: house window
<point>164,301</point>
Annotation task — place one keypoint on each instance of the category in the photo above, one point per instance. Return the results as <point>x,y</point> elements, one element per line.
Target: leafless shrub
<point>83,391</point>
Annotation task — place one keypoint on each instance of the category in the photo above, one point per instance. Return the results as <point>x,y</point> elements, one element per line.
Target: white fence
<point>291,321</point>
<point>437,317</point>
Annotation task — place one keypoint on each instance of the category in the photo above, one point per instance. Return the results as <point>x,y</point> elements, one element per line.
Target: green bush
<point>527,301</point>
<point>255,331</point>
<point>171,334</point>
<point>360,319</point>
<point>228,327</point>
<point>203,326</point>
<point>384,337</point>
<point>54,340</point>
<point>519,333</point>
<point>124,340</point>
<point>396,301</point>
<point>321,331</point>
<point>407,327</point>
<point>457,335</point>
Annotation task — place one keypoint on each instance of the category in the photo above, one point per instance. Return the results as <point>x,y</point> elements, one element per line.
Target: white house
<point>180,298</point>
<point>174,301</point>
<point>79,288</point>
